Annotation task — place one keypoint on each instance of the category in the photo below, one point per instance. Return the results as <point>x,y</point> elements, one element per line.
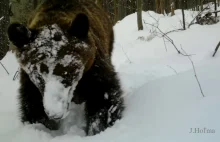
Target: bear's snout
<point>56,99</point>
<point>57,117</point>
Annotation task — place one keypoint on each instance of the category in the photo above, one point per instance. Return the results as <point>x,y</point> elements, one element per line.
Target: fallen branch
<point>195,73</point>
<point>4,68</point>
<point>216,49</point>
<point>16,75</point>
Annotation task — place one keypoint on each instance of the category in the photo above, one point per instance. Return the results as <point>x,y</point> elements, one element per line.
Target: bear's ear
<point>80,26</point>
<point>19,34</point>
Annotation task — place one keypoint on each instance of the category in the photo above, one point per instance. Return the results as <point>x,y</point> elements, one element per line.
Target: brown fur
<point>100,34</point>
<point>98,78</point>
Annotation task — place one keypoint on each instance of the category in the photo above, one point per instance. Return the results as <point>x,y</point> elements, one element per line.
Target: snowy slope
<point>162,96</point>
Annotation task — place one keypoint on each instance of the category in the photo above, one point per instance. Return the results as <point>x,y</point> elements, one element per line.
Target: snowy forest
<point>163,58</point>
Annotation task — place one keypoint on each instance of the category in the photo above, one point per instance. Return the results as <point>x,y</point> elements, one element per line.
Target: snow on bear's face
<point>54,63</point>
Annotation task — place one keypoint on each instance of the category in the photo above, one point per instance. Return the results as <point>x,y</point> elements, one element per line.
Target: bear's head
<point>55,59</point>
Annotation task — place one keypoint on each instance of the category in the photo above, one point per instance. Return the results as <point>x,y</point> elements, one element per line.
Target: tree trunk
<point>139,14</point>
<point>180,4</point>
<point>176,2</point>
<point>151,4</point>
<point>162,5</point>
<point>115,11</point>
<point>172,8</point>
<point>4,22</point>
<point>201,5</point>
<point>183,14</point>
<point>120,10</point>
<point>158,6</point>
<point>186,4</point>
<point>215,8</point>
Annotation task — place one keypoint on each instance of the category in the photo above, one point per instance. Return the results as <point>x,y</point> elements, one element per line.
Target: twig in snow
<point>195,73</point>
<point>174,31</point>
<point>165,44</point>
<point>216,49</point>
<point>16,75</point>
<point>125,54</point>
<point>172,69</point>
<point>157,20</point>
<point>4,68</point>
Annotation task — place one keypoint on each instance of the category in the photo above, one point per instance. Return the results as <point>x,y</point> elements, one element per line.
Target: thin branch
<point>126,55</point>
<point>172,69</point>
<point>165,44</point>
<point>157,20</point>
<point>216,49</point>
<point>195,73</point>
<point>168,38</point>
<point>174,31</point>
<point>16,74</point>
<point>4,68</point>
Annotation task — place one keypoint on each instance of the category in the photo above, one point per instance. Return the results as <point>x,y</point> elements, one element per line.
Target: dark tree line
<point>4,22</point>
<point>118,9</point>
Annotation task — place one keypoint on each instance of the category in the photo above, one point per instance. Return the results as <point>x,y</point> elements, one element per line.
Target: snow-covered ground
<point>163,99</point>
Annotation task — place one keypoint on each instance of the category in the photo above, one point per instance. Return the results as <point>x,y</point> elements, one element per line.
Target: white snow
<point>163,100</point>
<point>56,99</point>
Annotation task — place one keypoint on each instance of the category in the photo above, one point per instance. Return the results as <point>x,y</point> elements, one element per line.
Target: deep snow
<point>163,100</point>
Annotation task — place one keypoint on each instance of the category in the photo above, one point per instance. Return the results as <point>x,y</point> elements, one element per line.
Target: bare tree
<point>115,11</point>
<point>158,6</point>
<point>4,22</point>
<point>139,14</point>
<point>183,14</point>
<point>172,8</point>
<point>162,6</point>
<point>215,8</point>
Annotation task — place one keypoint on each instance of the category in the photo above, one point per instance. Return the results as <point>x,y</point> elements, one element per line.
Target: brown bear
<point>65,56</point>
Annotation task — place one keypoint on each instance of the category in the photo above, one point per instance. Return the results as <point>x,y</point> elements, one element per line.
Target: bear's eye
<point>57,36</point>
